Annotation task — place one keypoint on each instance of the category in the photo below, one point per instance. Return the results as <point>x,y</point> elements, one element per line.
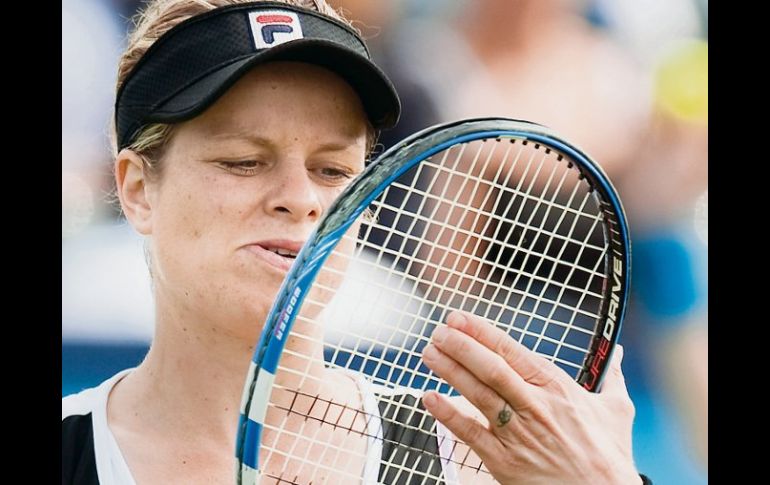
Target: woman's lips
<point>267,252</point>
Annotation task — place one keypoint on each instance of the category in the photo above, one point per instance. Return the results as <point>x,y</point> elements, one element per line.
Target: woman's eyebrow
<point>251,137</point>
<point>339,145</point>
<point>336,146</point>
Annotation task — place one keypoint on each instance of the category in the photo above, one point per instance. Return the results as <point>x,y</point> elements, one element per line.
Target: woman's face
<point>243,185</point>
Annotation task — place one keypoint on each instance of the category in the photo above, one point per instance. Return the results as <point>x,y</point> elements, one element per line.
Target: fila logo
<point>273,27</point>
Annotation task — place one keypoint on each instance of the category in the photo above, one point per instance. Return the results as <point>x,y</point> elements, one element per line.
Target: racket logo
<point>612,311</point>
<point>286,314</point>
<point>270,28</point>
<point>609,325</point>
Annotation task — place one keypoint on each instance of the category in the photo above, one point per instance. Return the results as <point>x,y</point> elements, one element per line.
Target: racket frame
<point>357,196</point>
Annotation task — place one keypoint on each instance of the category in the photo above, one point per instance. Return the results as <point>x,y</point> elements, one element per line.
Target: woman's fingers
<point>551,416</point>
<point>613,391</point>
<point>532,367</point>
<point>465,427</point>
<point>614,382</point>
<point>460,376</point>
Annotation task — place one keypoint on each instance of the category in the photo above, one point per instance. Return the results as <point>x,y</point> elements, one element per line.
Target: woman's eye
<point>335,173</point>
<point>241,167</point>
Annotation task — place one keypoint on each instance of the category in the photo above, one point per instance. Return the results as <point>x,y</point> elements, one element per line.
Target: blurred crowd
<point>626,80</point>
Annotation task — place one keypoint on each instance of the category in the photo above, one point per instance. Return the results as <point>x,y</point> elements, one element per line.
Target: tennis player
<point>236,126</point>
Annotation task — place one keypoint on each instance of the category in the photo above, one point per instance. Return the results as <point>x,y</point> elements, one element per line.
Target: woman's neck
<point>190,382</point>
<point>193,376</point>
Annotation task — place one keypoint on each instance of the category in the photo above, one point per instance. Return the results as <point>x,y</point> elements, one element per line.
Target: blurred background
<point>627,80</point>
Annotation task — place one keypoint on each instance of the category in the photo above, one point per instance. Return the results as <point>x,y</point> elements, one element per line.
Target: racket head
<point>388,362</point>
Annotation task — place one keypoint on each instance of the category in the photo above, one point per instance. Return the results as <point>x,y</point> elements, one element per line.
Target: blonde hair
<point>156,19</point>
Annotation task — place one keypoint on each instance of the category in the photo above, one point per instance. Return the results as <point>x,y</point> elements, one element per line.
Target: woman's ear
<point>133,190</point>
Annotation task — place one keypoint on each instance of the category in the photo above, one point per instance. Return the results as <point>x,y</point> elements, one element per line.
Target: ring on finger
<point>504,415</point>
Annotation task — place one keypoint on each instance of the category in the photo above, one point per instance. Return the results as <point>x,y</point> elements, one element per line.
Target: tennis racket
<point>498,217</point>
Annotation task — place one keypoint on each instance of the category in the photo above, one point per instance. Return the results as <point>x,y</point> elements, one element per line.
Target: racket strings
<point>507,231</point>
<point>561,288</point>
<point>550,206</point>
<point>319,410</point>
<point>490,285</point>
<point>491,312</point>
<point>540,230</point>
<point>323,411</point>
<point>460,273</point>
<point>411,237</point>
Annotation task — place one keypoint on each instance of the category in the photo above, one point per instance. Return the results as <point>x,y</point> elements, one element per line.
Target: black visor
<point>193,64</point>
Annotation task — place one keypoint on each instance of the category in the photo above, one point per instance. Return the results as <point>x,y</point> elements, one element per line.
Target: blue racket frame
<point>356,198</point>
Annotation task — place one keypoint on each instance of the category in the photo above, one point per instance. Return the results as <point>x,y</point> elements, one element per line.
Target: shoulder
<point>86,401</point>
<point>81,414</point>
<point>79,404</point>
<point>77,438</point>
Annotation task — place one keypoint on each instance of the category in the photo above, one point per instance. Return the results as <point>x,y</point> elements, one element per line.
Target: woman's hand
<point>543,426</point>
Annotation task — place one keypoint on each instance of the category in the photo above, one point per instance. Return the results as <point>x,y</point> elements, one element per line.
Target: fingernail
<point>620,352</point>
<point>429,353</point>
<point>439,334</point>
<point>430,399</point>
<point>455,319</point>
